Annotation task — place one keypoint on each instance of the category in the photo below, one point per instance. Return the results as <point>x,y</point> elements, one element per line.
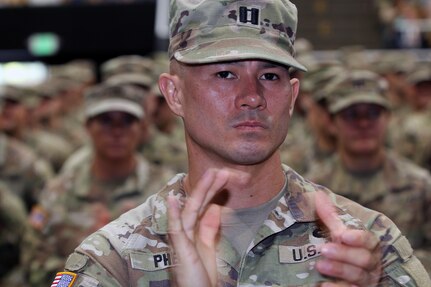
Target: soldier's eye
<point>225,75</point>
<point>270,77</point>
<point>104,119</point>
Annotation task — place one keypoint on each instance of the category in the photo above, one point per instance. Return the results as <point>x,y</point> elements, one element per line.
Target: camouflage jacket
<point>410,136</point>
<point>74,205</point>
<point>167,149</point>
<point>49,146</point>
<point>22,171</point>
<point>76,199</point>
<point>397,189</point>
<point>13,227</point>
<point>134,250</point>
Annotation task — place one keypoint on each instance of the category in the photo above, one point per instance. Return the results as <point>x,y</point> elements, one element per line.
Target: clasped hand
<point>351,258</point>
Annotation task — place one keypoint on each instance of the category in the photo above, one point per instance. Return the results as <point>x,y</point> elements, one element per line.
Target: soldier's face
<point>236,112</point>
<point>115,135</point>
<point>13,116</point>
<point>361,129</point>
<point>422,96</point>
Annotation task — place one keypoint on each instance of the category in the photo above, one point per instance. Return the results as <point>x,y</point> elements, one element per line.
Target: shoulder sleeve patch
<point>64,279</point>
<point>76,262</point>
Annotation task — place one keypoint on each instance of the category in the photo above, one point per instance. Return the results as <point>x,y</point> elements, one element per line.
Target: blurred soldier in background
<point>394,67</point>
<point>77,76</point>
<point>318,142</point>
<point>16,111</point>
<point>411,136</point>
<point>43,135</point>
<point>162,140</point>
<point>13,229</point>
<point>110,181</point>
<point>364,170</point>
<point>167,145</point>
<point>24,172</point>
<point>115,72</point>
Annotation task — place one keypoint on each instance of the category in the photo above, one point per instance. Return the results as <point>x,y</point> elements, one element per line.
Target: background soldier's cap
<point>421,73</point>
<point>218,31</point>
<point>394,62</point>
<point>10,93</point>
<point>126,64</point>
<point>315,80</point>
<point>108,98</point>
<point>356,87</point>
<point>81,71</point>
<point>140,80</point>
<point>23,95</point>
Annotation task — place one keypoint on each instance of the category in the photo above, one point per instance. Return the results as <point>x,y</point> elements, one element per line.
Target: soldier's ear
<point>294,82</point>
<point>170,87</point>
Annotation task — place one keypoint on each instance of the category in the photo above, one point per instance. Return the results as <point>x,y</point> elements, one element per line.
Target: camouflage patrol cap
<point>53,87</point>
<point>80,71</point>
<point>211,31</point>
<point>109,98</point>
<point>140,80</point>
<point>395,62</point>
<point>315,81</point>
<point>10,92</point>
<point>421,73</point>
<point>356,87</point>
<point>22,95</point>
<point>126,64</point>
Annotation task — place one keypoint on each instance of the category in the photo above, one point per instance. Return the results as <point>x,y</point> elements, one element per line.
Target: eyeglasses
<point>359,112</point>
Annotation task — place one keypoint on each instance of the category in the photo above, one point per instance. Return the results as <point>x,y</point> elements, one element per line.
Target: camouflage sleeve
<point>400,266</point>
<point>424,252</point>
<point>13,228</point>
<point>97,266</point>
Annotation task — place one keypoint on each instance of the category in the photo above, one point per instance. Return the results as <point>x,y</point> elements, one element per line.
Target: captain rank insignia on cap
<point>249,15</point>
<point>64,279</point>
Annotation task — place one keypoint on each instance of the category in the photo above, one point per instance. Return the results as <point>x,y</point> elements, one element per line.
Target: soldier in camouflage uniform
<point>411,135</point>
<point>50,145</point>
<point>13,226</point>
<point>109,180</point>
<point>302,153</point>
<point>235,106</point>
<point>73,78</point>
<point>162,140</point>
<point>167,145</point>
<point>21,169</point>
<point>16,108</point>
<point>365,170</point>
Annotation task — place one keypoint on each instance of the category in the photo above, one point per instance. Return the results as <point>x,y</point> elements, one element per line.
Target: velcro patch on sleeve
<point>64,279</point>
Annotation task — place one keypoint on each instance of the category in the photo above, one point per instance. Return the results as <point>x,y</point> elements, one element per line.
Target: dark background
<point>103,31</point>
<point>98,32</point>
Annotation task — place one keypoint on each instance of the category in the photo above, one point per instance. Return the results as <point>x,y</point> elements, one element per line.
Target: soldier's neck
<point>106,169</point>
<point>363,162</point>
<point>264,182</point>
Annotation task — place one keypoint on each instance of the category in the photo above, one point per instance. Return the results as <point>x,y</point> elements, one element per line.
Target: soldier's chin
<point>251,157</point>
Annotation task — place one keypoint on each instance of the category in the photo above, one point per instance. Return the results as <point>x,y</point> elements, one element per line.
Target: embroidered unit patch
<point>64,279</point>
